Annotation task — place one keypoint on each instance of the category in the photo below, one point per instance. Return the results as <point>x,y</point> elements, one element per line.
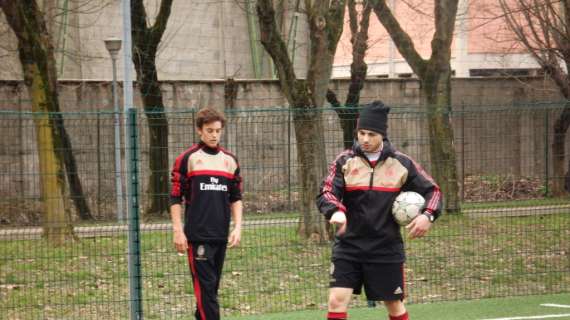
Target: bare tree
<point>306,96</point>
<point>25,40</point>
<point>146,39</point>
<point>435,77</point>
<point>35,51</point>
<point>543,28</point>
<point>348,113</point>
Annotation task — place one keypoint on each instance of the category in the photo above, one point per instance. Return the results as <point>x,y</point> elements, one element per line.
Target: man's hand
<point>180,241</point>
<point>339,219</point>
<point>234,238</point>
<point>419,226</point>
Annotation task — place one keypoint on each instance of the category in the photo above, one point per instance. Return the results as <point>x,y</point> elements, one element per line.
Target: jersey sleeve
<point>331,192</point>
<point>235,189</point>
<point>178,179</point>
<point>421,182</point>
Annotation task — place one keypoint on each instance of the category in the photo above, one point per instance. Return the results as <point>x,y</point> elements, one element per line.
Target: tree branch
<point>335,20</point>
<point>401,39</point>
<point>358,68</point>
<point>352,17</point>
<point>161,21</point>
<point>276,47</point>
<point>534,28</point>
<point>138,18</point>
<point>445,13</point>
<point>326,21</point>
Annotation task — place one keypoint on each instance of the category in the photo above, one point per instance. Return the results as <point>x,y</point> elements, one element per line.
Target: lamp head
<point>113,45</point>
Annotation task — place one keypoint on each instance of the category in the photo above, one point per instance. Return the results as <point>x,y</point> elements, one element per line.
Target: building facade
<point>482,45</point>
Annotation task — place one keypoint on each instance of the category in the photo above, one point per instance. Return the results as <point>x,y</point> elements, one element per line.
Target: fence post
<point>98,162</point>
<point>134,259</point>
<point>462,151</point>
<point>546,157</point>
<point>289,158</point>
<point>192,125</point>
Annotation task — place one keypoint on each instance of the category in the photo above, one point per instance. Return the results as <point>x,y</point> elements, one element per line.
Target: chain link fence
<point>512,237</point>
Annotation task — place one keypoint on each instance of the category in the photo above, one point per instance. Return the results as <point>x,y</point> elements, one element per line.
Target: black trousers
<point>206,261</point>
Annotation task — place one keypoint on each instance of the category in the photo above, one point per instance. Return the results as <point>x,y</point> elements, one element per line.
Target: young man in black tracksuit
<point>357,197</point>
<point>206,178</point>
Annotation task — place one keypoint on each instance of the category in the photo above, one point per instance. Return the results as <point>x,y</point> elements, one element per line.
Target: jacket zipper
<point>371,178</point>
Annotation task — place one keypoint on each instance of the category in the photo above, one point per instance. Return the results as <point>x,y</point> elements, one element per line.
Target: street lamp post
<point>113,45</point>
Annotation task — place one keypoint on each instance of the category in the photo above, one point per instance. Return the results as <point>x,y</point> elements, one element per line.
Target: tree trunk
<point>57,221</point>
<point>35,51</point>
<point>567,178</point>
<point>543,29</point>
<point>145,46</point>
<point>437,91</point>
<point>560,178</point>
<point>158,164</point>
<point>75,187</point>
<point>157,143</point>
<point>325,20</point>
<point>359,40</point>
<point>348,114</point>
<point>312,167</point>
<point>435,78</point>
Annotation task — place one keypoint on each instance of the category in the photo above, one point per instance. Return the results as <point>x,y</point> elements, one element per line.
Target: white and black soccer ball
<point>407,206</point>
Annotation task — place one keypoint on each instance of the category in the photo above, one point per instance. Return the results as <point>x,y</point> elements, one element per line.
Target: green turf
<point>275,270</point>
<point>459,310</point>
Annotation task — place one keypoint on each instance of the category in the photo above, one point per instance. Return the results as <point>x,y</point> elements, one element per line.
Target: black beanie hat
<point>374,117</point>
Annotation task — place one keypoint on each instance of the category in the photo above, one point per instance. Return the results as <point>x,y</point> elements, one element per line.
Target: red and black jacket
<point>207,180</point>
<point>366,193</point>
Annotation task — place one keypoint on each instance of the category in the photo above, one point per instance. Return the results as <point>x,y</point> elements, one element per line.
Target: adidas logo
<point>398,291</point>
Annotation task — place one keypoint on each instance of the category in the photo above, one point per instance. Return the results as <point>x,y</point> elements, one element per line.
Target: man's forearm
<point>176,216</point>
<point>237,213</point>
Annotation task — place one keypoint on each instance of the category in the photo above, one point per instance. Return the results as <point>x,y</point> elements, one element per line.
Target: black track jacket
<point>208,181</point>
<point>366,194</point>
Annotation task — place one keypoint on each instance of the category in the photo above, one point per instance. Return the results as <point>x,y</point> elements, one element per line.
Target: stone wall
<point>202,40</point>
<point>499,127</point>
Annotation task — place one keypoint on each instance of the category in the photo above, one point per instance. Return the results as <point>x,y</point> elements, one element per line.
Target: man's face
<point>369,141</point>
<point>211,133</point>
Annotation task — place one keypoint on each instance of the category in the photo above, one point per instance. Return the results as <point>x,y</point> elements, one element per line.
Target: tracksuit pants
<point>206,261</point>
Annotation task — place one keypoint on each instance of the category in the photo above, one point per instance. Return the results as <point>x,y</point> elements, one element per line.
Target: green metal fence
<point>512,237</point>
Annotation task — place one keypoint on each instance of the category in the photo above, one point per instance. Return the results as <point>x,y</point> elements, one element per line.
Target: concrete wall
<point>495,133</point>
<point>203,40</point>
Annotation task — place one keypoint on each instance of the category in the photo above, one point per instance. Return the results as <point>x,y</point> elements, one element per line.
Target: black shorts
<point>382,281</point>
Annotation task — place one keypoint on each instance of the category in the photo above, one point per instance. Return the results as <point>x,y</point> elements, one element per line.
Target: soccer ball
<point>407,206</point>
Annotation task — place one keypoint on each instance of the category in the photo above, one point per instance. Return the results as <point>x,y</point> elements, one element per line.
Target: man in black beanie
<point>357,196</point>
<point>374,117</point>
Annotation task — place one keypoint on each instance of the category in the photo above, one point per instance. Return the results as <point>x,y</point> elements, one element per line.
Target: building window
<point>504,72</point>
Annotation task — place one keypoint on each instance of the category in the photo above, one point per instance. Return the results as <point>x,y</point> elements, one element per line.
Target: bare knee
<point>339,298</point>
<point>395,307</point>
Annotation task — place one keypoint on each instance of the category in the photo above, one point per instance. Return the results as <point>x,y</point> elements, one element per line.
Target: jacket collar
<point>387,150</point>
<point>209,150</point>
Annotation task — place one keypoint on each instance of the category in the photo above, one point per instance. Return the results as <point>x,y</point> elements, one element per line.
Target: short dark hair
<point>208,115</point>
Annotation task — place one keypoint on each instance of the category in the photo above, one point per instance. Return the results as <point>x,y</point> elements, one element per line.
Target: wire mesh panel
<point>56,261</point>
<point>511,238</point>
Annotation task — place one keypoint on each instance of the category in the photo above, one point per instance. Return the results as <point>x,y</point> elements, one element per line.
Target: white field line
<point>555,305</point>
<point>547,316</point>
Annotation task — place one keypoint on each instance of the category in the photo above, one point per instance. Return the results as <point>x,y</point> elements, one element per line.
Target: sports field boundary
<point>507,308</point>
<point>30,233</point>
